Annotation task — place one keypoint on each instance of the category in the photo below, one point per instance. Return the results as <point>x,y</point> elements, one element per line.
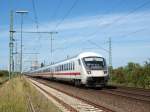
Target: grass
<point>14,96</point>
<point>3,79</point>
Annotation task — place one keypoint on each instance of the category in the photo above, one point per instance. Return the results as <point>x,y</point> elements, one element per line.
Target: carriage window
<point>73,65</point>
<point>79,61</point>
<point>70,66</point>
<point>59,67</point>
<point>67,66</point>
<point>62,67</point>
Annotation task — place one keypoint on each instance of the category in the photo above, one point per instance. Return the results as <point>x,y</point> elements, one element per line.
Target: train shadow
<point>111,87</point>
<point>80,87</point>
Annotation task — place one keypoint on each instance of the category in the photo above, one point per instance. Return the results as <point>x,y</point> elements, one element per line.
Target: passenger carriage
<point>89,69</point>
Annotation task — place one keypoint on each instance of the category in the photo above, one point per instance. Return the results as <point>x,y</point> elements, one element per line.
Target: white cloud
<point>73,32</point>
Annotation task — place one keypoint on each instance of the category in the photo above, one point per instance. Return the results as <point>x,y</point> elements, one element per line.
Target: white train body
<point>87,68</point>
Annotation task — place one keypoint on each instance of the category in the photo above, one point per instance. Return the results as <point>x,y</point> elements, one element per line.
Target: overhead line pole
<point>110,56</point>
<point>11,45</point>
<point>51,33</point>
<point>22,13</point>
<point>16,57</point>
<point>51,36</point>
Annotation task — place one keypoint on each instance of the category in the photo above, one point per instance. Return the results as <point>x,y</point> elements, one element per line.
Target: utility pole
<point>22,13</point>
<point>11,45</point>
<point>16,57</point>
<point>110,56</point>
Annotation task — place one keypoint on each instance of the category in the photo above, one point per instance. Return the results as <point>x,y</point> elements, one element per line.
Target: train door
<point>80,71</point>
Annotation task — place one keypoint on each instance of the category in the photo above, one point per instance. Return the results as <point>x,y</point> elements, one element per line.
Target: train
<point>87,69</point>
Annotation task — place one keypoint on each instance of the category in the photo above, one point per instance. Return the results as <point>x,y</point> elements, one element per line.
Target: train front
<point>96,71</point>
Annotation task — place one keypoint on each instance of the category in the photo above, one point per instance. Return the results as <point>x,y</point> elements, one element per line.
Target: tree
<point>42,64</point>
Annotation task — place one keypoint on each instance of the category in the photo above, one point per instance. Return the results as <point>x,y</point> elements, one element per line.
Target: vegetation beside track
<point>4,75</point>
<point>132,75</point>
<point>17,95</point>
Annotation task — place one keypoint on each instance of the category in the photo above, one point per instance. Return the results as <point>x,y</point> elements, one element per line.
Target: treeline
<point>4,73</point>
<point>133,74</point>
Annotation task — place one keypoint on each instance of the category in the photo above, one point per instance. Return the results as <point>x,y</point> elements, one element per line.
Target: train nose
<point>93,81</point>
<point>97,73</point>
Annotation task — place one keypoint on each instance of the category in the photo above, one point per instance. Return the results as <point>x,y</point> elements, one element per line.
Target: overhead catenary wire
<point>120,18</point>
<point>95,44</point>
<point>56,11</point>
<point>35,15</point>
<point>66,15</point>
<point>37,23</point>
<point>129,13</point>
<point>100,16</point>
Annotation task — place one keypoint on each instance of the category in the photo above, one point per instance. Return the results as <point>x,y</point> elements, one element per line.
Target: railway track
<point>130,94</point>
<point>30,105</point>
<point>69,101</point>
<point>139,91</point>
<point>116,97</point>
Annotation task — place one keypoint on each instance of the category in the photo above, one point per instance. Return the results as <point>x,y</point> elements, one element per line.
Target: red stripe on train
<point>74,73</point>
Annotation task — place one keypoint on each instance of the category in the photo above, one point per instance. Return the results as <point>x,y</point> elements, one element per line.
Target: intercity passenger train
<point>87,69</point>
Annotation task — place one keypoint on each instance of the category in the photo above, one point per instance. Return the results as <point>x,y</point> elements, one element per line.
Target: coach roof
<point>89,54</point>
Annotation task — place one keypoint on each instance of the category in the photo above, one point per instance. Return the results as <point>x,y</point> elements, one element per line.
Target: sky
<point>82,26</point>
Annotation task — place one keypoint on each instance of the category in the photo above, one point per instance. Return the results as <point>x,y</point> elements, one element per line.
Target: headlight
<point>89,72</point>
<point>105,72</point>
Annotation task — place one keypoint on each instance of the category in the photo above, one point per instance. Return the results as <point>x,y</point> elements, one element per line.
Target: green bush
<point>118,75</point>
<point>4,73</point>
<point>133,74</point>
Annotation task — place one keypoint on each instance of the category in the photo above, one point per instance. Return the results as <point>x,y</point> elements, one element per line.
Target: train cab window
<point>94,63</point>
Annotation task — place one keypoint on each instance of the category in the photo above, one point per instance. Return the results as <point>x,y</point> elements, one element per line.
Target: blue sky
<point>90,21</point>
